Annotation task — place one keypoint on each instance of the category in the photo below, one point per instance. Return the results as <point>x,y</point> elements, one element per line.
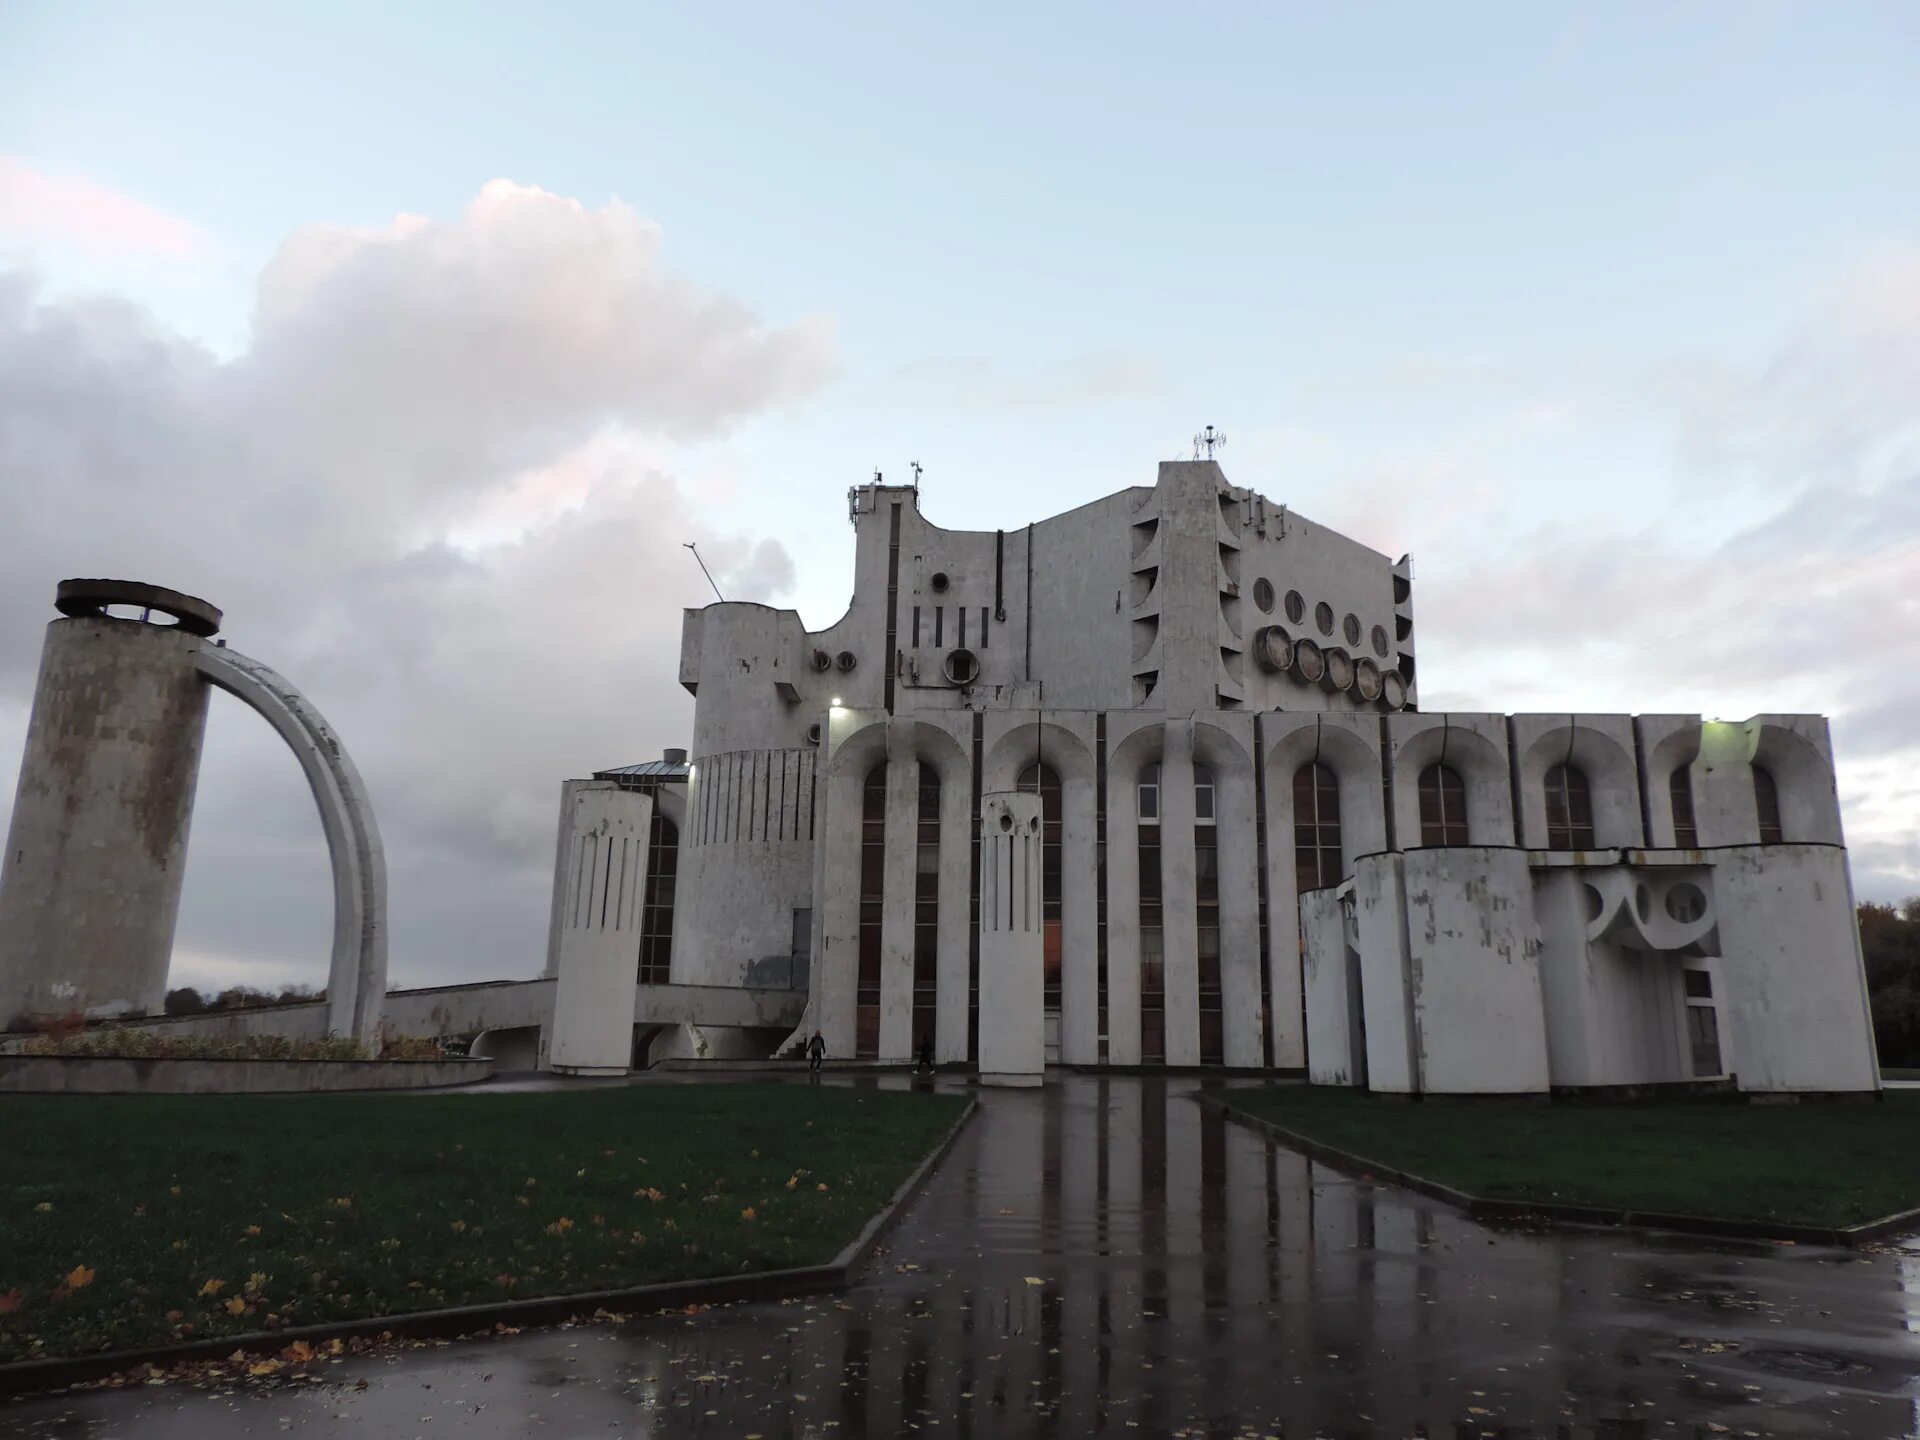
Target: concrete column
<point>1289,1044</point>
<point>896,931</point>
<point>1177,895</point>
<point>956,876</point>
<point>98,843</point>
<point>1239,842</point>
<point>594,991</point>
<point>1012,941</point>
<point>1123,915</point>
<point>1080,939</point>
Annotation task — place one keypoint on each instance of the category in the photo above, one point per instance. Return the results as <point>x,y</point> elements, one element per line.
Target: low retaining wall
<point>100,1075</point>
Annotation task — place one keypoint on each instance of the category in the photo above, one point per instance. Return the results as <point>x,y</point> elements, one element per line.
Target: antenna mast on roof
<point>689,545</point>
<point>1209,440</point>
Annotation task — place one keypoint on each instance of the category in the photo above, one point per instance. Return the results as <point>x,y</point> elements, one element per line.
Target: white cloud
<point>438,493</point>
<point>68,211</point>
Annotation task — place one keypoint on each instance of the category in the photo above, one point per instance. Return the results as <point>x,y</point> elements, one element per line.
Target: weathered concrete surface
<point>87,1075</point>
<point>1104,1258</point>
<point>90,880</point>
<point>592,1029</point>
<point>357,969</point>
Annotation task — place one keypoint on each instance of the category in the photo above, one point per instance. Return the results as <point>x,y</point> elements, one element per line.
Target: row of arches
<point>1157,861</point>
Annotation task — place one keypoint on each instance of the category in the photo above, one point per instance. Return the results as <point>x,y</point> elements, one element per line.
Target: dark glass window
<point>1569,809</point>
<point>926,909</point>
<point>1443,806</point>
<point>1043,781</point>
<point>1703,1031</point>
<point>1153,950</point>
<point>1680,793</point>
<point>1206,870</point>
<point>873,873</point>
<point>1699,985</point>
<point>1316,827</point>
<point>1766,800</point>
<point>656,912</point>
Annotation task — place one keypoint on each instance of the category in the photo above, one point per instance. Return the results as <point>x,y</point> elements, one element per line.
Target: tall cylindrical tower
<point>90,888</point>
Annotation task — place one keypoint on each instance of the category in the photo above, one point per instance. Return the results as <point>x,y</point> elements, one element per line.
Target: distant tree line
<point>189,1001</point>
<point>1890,941</point>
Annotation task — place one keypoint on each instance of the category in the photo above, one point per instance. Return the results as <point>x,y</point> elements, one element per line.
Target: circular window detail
<point>813,733</point>
<point>1263,595</point>
<point>1393,689</point>
<point>1272,649</point>
<point>1309,662</point>
<point>961,667</point>
<point>1006,822</point>
<point>1323,618</point>
<point>1685,903</point>
<point>1366,679</point>
<point>940,582</point>
<point>1379,638</point>
<point>1595,902</point>
<point>1339,674</point>
<point>1296,607</point>
<point>846,660</point>
<point>1350,627</point>
<point>822,660</point>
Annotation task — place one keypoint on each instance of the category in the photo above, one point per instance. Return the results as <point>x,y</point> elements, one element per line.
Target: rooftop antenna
<point>1209,440</point>
<point>689,545</point>
<point>916,474</point>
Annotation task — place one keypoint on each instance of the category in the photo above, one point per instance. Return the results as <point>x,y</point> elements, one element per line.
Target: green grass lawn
<point>1828,1164</point>
<point>133,1221</point>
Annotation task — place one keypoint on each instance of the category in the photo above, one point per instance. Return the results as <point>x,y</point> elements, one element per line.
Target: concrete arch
<point>357,972</point>
<point>1611,774</point>
<point>1073,762</point>
<point>1676,751</point>
<point>1356,766</point>
<point>1803,779</point>
<point>1482,767</point>
<point>1125,760</point>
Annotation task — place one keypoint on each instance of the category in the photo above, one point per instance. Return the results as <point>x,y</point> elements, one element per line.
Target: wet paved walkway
<point>1105,1257</point>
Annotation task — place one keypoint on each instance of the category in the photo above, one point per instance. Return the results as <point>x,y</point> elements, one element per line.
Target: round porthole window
<point>940,582</point>
<point>1296,607</point>
<point>1323,617</point>
<point>822,660</point>
<point>1006,822</point>
<point>1263,596</point>
<point>1351,627</point>
<point>847,660</point>
<point>1380,641</point>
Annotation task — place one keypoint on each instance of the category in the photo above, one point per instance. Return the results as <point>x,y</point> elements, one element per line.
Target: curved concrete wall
<point>94,858</point>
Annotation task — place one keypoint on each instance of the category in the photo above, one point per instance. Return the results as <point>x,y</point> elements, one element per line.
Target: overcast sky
<point>420,342</point>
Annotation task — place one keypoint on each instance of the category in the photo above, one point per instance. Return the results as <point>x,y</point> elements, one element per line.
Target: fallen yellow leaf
<point>213,1287</point>
<point>78,1276</point>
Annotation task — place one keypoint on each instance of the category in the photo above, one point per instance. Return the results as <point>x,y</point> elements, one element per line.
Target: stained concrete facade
<point>96,850</point>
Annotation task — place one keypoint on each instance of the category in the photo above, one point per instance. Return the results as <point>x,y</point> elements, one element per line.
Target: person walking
<point>816,1051</point>
<point>926,1054</point>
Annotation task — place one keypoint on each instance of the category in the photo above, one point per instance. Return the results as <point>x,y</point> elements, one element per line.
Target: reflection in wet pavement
<point>1105,1257</point>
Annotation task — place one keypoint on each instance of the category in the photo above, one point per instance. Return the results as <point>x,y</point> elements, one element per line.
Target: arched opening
<point>1041,779</point>
<point>1443,806</point>
<point>1316,827</point>
<point>873,875</point>
<point>1153,948</point>
<point>1686,835</point>
<point>926,910</point>
<point>1766,802</point>
<point>656,910</point>
<point>1569,809</point>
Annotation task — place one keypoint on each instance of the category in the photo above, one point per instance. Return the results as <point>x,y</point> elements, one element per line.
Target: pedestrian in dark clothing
<point>926,1053</point>
<point>816,1051</point>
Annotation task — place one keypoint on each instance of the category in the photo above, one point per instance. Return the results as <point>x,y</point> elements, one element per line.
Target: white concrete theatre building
<point>1146,783</point>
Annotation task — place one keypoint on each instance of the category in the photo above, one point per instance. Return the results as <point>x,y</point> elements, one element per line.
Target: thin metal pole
<point>689,545</point>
